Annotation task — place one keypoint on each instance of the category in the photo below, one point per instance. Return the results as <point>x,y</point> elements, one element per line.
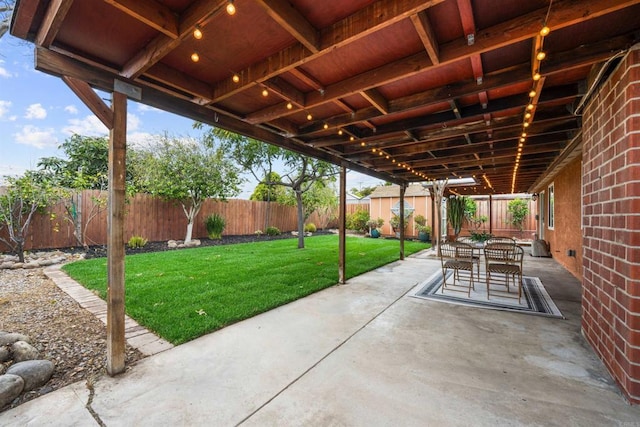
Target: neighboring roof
<point>403,90</point>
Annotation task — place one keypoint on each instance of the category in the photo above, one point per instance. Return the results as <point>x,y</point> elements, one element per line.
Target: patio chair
<point>457,256</point>
<point>477,250</point>
<point>498,239</point>
<point>503,259</point>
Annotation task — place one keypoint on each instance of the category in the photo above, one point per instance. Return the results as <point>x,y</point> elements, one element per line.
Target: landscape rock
<point>10,387</point>
<point>35,260</point>
<point>7,338</point>
<point>35,373</point>
<point>4,354</point>
<point>22,351</point>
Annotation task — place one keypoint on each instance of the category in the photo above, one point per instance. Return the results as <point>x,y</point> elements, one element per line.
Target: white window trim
<point>551,206</point>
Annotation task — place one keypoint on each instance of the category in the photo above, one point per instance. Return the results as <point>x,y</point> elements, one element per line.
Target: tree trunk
<point>20,251</point>
<point>300,220</point>
<point>187,238</point>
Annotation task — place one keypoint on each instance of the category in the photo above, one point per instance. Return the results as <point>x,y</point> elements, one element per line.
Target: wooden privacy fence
<point>154,219</point>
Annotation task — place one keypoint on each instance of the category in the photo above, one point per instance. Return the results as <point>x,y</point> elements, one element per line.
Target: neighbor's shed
<point>385,200</point>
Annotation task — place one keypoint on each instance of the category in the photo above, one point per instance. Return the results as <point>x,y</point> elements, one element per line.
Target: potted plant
<point>455,214</point>
<point>374,225</point>
<point>424,231</point>
<point>395,224</point>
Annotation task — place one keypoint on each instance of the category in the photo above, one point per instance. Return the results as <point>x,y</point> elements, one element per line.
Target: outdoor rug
<point>535,299</point>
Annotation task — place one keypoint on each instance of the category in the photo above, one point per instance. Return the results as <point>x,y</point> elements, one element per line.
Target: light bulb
<point>527,115</point>
<point>197,33</point>
<point>231,9</point>
<point>522,139</point>
<point>265,92</point>
<point>536,77</point>
<point>351,138</point>
<point>309,116</point>
<point>289,106</point>
<point>530,107</point>
<point>532,94</point>
<point>524,134</point>
<point>544,31</point>
<point>541,55</point>
<point>195,57</point>
<point>362,144</point>
<point>339,131</point>
<point>373,150</point>
<point>326,126</point>
<point>526,124</point>
<point>235,78</point>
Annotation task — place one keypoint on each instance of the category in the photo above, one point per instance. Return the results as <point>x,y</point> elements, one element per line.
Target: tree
<point>300,172</point>
<point>518,210</point>
<point>85,168</point>
<point>24,196</point>
<point>269,193</point>
<point>361,193</point>
<point>188,172</point>
<point>6,9</point>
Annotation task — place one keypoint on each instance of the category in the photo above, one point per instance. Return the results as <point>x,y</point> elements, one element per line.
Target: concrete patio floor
<point>364,354</point>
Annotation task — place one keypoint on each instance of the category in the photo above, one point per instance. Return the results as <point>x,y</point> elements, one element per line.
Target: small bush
<point>136,242</point>
<point>258,233</point>
<point>358,220</point>
<point>310,228</point>
<point>215,224</point>
<point>273,231</point>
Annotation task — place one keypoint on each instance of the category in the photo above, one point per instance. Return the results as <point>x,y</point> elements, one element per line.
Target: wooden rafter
<point>290,19</point>
<point>56,12</point>
<point>425,31</point>
<point>152,13</point>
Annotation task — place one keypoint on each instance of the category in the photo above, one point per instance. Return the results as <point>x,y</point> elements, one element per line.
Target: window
<point>550,204</point>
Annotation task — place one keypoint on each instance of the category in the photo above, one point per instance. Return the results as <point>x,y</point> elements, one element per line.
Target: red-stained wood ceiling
<point>404,90</point>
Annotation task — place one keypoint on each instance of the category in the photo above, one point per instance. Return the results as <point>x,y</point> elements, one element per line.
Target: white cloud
<point>35,111</point>
<point>143,108</point>
<point>3,71</point>
<point>4,108</point>
<point>71,109</point>
<point>89,126</point>
<point>36,137</point>
<point>10,170</point>
<point>133,123</point>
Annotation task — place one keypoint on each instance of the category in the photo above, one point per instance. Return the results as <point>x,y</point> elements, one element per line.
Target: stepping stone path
<point>25,371</point>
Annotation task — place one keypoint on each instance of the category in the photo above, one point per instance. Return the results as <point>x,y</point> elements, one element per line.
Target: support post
<point>115,238</point>
<point>490,214</point>
<point>403,187</point>
<point>342,226</point>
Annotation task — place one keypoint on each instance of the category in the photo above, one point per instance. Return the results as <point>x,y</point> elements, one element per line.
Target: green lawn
<point>184,294</point>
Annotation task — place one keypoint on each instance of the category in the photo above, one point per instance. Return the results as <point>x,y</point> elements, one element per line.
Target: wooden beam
<point>425,31</point>
<point>569,12</point>
<point>154,14</point>
<point>403,220</point>
<point>342,226</point>
<point>375,17</point>
<point>52,21</point>
<point>291,20</point>
<point>376,99</point>
<point>199,13</point>
<point>115,238</point>
<point>91,99</point>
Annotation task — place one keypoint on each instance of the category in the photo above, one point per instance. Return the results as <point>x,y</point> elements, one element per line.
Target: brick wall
<point>611,221</point>
<point>567,233</point>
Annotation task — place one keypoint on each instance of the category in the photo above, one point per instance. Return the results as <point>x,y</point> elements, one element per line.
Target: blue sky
<point>38,112</point>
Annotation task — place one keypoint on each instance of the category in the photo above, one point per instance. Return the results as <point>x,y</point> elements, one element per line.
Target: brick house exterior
<point>611,223</point>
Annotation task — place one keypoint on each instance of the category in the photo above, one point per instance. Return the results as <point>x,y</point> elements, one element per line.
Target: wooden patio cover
<point>402,90</point>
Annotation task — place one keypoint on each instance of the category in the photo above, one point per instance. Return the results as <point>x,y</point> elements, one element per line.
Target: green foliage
<point>395,222</point>
<point>375,223</point>
<point>265,191</point>
<point>421,224</point>
<point>518,210</point>
<point>361,193</point>
<point>215,224</point>
<point>310,228</point>
<point>299,173</point>
<point>480,236</point>
<point>24,196</point>
<point>136,242</point>
<point>272,231</point>
<point>167,291</point>
<point>456,213</point>
<point>358,220</point>
<point>188,172</point>
<point>470,208</point>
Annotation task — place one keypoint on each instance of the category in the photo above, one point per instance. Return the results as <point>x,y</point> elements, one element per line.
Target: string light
<point>289,105</point>
<point>265,92</point>
<point>541,55</point>
<point>309,117</point>
<point>195,57</point>
<point>326,126</point>
<point>532,94</point>
<point>340,132</point>
<point>536,77</point>
<point>231,9</point>
<point>235,78</point>
<point>197,33</point>
<point>544,31</point>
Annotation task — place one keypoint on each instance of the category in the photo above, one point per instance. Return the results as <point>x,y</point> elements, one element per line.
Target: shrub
<point>358,220</point>
<point>420,220</point>
<point>310,228</point>
<point>258,233</point>
<point>215,224</point>
<point>272,231</point>
<point>136,242</point>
